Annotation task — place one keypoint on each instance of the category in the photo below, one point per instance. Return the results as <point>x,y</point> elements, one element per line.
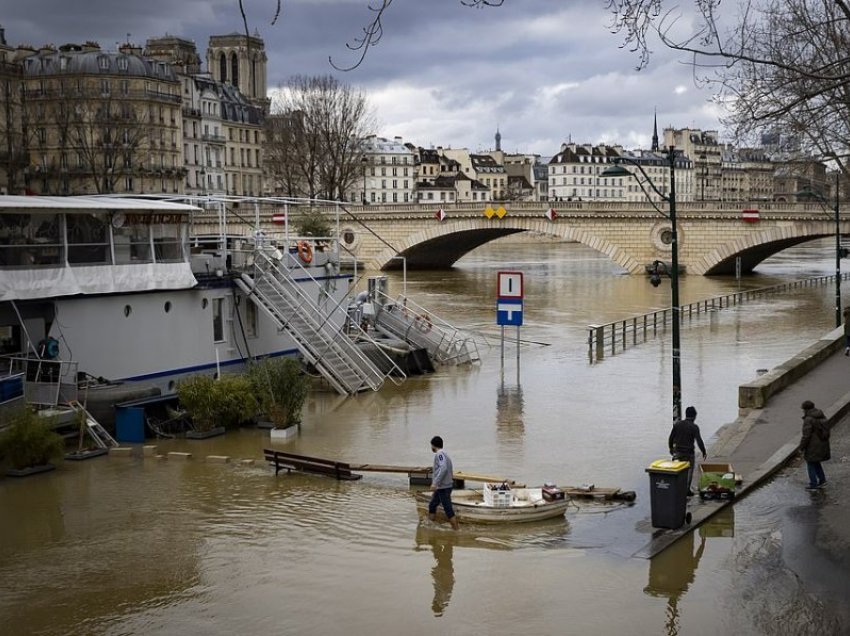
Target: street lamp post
<point>618,170</point>
<point>365,162</point>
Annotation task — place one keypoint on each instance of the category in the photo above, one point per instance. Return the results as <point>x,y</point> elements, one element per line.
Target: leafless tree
<point>314,137</point>
<point>108,136</point>
<point>14,158</point>
<point>779,64</point>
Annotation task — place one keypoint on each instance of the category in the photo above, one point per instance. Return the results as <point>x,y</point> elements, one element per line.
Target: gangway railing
<point>405,319</point>
<point>615,337</point>
<point>317,331</point>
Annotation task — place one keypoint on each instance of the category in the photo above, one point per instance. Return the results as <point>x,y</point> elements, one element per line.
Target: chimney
<point>130,49</point>
<point>90,46</point>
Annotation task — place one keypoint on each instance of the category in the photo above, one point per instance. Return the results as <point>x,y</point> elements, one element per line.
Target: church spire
<point>655,132</point>
<point>498,139</point>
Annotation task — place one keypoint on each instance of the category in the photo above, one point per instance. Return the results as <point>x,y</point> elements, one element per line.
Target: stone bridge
<point>633,235</point>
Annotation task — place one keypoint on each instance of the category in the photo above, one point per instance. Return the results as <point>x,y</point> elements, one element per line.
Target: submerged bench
<point>312,465</point>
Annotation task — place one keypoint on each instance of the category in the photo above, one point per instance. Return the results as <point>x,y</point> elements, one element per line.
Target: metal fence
<point>614,337</point>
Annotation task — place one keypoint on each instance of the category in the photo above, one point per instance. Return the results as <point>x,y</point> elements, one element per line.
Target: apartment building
<point>99,121</point>
<point>389,172</point>
<point>706,153</point>
<point>223,133</point>
<point>575,174</point>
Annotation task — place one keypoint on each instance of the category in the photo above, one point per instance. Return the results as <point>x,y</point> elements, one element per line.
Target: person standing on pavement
<point>681,442</point>
<point>442,482</point>
<point>814,444</point>
<point>847,331</point>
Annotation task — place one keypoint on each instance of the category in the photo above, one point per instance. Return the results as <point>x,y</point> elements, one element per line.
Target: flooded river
<point>133,546</point>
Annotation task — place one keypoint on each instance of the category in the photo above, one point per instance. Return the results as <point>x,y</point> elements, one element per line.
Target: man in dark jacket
<point>681,442</point>
<point>814,444</point>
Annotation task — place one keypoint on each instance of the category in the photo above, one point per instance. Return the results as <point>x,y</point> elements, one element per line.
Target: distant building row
<point>80,120</point>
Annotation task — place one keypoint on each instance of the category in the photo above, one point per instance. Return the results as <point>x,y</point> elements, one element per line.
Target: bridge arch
<point>754,247</point>
<point>441,246</point>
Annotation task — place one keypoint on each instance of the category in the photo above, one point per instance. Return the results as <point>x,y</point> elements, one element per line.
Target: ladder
<point>101,438</point>
<point>318,333</point>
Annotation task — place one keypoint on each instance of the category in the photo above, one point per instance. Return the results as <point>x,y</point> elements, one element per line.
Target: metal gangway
<point>316,327</point>
<point>420,328</point>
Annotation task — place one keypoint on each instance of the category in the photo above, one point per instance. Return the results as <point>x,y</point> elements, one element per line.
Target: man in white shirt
<point>442,482</point>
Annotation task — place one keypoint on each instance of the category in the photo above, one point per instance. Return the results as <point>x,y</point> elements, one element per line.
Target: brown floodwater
<point>145,546</point>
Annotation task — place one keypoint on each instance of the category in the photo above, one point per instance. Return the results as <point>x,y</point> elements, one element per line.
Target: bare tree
<point>14,157</point>
<point>314,137</point>
<point>108,136</point>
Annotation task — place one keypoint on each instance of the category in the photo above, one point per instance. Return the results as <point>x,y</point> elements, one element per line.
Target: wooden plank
<point>478,477</point>
<point>380,468</point>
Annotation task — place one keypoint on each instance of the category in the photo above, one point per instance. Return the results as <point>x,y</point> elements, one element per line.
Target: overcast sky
<point>543,71</point>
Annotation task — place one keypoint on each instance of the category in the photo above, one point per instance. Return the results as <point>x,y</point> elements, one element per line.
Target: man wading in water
<point>442,483</point>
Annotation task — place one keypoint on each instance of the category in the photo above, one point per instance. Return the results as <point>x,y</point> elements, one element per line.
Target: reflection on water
<point>672,571</point>
<point>443,573</point>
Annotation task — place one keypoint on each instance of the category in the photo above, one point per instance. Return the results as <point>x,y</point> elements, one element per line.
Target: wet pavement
<point>761,441</point>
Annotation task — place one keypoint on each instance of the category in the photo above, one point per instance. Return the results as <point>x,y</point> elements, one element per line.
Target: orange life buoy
<point>305,251</point>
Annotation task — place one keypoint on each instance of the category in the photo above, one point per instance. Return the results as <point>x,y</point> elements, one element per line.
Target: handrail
<point>612,334</point>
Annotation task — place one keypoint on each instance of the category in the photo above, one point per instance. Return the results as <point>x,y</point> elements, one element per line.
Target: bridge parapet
<point>711,234</point>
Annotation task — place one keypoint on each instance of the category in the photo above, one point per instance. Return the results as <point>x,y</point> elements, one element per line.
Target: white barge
<point>119,287</point>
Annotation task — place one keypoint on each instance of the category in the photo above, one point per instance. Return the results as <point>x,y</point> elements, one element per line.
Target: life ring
<point>305,251</point>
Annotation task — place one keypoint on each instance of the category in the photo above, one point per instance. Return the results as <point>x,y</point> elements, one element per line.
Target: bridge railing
<point>615,337</point>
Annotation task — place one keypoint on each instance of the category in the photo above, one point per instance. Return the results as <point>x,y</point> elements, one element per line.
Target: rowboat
<point>522,505</point>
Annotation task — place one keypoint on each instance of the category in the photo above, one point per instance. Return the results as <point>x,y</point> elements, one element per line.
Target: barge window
<point>132,244</point>
<point>31,240</point>
<point>218,319</point>
<point>168,244</point>
<point>250,319</point>
<point>88,239</point>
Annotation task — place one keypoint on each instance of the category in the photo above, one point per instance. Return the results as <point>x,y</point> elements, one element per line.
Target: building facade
<point>100,121</point>
<point>389,172</point>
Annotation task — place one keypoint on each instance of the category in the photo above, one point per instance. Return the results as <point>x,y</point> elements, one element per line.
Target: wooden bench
<point>312,465</point>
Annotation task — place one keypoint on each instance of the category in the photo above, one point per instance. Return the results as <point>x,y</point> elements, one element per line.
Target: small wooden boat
<point>521,506</point>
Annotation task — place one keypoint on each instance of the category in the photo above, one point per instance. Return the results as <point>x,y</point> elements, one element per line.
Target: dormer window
<point>103,63</point>
<point>122,64</point>
<point>63,63</point>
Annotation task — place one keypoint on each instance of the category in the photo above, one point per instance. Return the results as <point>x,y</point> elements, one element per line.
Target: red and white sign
<point>439,214</point>
<point>551,214</point>
<point>279,218</point>
<point>510,285</point>
<point>750,216</point>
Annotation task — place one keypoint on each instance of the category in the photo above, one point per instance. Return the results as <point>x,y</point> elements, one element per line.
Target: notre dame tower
<point>240,60</point>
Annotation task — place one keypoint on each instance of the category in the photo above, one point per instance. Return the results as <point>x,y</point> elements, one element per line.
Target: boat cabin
<point>63,246</point>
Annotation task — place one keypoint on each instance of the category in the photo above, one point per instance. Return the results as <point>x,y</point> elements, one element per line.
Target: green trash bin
<point>668,492</point>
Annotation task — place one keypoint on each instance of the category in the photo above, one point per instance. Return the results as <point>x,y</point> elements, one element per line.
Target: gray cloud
<point>443,73</point>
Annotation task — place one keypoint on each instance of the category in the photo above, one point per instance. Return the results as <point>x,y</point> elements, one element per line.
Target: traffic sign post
<point>509,307</point>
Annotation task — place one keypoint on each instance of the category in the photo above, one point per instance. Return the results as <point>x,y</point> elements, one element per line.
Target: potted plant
<point>216,404</point>
<point>29,443</point>
<point>281,389</point>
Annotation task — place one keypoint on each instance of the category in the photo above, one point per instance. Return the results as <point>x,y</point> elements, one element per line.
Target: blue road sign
<point>509,312</point>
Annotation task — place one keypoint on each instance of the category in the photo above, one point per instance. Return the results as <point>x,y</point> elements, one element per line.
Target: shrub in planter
<point>227,401</point>
<point>29,440</point>
<point>281,389</point>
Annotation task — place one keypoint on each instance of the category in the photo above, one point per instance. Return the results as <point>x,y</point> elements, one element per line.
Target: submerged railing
<point>614,337</point>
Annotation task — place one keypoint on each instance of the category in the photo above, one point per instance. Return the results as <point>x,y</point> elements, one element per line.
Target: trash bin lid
<point>668,466</point>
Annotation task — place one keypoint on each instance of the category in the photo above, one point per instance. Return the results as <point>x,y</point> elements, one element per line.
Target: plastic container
<point>668,492</point>
<point>497,495</point>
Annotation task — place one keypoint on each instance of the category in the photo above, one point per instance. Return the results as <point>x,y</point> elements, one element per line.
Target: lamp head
<point>655,279</point>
